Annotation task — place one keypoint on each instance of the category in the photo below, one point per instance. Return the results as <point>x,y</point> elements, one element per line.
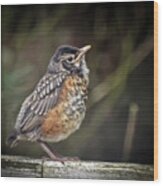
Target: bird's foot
<point>70,158</point>
<point>61,159</point>
<point>54,155</point>
<point>65,159</point>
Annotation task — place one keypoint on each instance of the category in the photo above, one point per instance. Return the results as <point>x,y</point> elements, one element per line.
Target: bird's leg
<point>47,149</point>
<point>54,155</point>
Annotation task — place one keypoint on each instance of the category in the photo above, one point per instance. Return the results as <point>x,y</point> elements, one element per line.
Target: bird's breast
<point>67,115</point>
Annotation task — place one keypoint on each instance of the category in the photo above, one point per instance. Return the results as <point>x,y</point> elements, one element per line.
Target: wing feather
<point>43,98</point>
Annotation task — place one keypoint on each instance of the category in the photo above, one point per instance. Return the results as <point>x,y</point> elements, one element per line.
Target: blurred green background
<point>119,121</point>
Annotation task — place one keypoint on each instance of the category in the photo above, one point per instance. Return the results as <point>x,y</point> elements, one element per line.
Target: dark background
<point>119,121</point>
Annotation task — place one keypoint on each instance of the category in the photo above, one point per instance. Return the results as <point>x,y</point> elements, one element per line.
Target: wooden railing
<point>18,166</point>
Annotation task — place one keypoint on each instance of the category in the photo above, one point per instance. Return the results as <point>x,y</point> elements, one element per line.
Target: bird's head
<point>68,58</point>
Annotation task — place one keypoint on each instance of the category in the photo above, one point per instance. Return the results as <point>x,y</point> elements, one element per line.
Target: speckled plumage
<point>69,112</point>
<point>56,107</point>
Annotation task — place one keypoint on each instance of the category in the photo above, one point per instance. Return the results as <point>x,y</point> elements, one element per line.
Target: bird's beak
<point>83,51</point>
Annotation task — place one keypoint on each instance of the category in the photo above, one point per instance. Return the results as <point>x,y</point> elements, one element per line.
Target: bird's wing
<point>43,98</point>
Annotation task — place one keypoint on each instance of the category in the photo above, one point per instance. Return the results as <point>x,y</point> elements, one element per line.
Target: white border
<point>3,2</point>
<point>61,182</point>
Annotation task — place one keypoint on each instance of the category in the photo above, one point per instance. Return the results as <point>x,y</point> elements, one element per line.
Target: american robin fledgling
<point>56,107</point>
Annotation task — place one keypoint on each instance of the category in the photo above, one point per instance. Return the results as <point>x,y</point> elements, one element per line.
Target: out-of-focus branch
<point>130,131</point>
<point>120,75</point>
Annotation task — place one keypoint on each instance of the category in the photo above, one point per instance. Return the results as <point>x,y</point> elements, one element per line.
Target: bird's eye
<point>70,59</point>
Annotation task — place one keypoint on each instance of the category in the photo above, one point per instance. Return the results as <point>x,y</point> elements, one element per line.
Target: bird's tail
<point>12,138</point>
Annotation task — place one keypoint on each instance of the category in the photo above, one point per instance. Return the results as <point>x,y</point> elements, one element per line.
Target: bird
<point>57,105</point>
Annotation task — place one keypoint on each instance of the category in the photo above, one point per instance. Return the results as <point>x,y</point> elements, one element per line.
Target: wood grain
<point>18,166</point>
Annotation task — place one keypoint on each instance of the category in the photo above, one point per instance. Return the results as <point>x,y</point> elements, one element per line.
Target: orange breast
<point>57,121</point>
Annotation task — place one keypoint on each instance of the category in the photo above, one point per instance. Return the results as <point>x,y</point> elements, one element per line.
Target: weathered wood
<point>18,166</point>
